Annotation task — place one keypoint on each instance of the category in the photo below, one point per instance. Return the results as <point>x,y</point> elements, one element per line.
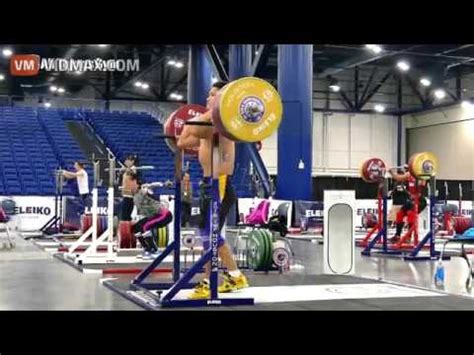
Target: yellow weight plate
<point>248,109</point>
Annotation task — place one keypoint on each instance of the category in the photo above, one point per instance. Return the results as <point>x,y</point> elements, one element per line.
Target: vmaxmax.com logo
<point>32,64</point>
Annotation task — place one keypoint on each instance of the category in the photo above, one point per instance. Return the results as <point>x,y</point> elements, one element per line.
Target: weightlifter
<point>206,138</point>
<point>408,208</point>
<point>127,187</point>
<point>155,215</point>
<point>82,181</point>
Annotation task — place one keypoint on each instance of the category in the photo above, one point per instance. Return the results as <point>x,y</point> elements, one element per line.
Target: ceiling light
<point>145,86</point>
<point>374,48</point>
<point>138,84</point>
<point>179,65</point>
<point>171,62</point>
<point>53,88</point>
<point>335,87</point>
<point>2,77</point>
<point>7,52</point>
<point>403,66</point>
<point>379,108</point>
<point>425,81</point>
<point>47,104</point>
<point>61,90</point>
<point>440,94</point>
<point>467,104</point>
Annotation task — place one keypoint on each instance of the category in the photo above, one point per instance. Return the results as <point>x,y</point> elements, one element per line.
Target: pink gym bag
<point>260,214</point>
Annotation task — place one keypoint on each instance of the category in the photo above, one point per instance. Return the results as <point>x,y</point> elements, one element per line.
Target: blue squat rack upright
<point>181,282</point>
<point>383,232</point>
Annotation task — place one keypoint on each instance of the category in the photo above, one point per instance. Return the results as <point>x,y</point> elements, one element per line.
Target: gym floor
<point>32,279</point>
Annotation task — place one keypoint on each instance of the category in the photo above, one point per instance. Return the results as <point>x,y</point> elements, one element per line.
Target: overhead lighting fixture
<point>61,90</point>
<point>102,45</point>
<point>7,52</point>
<point>335,87</point>
<point>467,104</point>
<point>2,77</point>
<point>179,65</point>
<point>379,108</point>
<point>47,104</point>
<point>53,88</point>
<point>425,81</point>
<point>77,72</point>
<point>171,62</point>
<point>145,86</point>
<point>175,96</point>
<point>374,48</point>
<point>403,65</point>
<point>440,94</point>
<point>138,84</point>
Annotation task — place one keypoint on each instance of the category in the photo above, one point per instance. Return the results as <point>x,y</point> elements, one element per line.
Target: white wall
<point>341,142</point>
<point>449,133</point>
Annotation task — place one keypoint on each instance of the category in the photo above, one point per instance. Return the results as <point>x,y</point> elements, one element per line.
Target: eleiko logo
<point>24,65</point>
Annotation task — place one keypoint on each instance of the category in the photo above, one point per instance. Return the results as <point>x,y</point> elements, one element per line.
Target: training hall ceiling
<point>365,78</point>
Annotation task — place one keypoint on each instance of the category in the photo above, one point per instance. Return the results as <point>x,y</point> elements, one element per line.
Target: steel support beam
<point>415,90</point>
<point>375,89</point>
<point>356,87</point>
<point>177,84</point>
<point>259,62</point>
<point>338,110</point>
<point>399,119</point>
<point>216,61</point>
<point>367,86</point>
<point>346,101</point>
<point>437,107</point>
<point>143,72</point>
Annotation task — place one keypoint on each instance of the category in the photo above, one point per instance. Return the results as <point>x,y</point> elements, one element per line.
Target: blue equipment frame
<point>181,282</point>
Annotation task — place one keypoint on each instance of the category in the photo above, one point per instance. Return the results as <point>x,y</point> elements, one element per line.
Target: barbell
<point>143,167</point>
<point>246,110</point>
<point>421,165</point>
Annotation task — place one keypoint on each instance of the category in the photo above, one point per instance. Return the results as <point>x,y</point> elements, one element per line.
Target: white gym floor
<point>32,279</point>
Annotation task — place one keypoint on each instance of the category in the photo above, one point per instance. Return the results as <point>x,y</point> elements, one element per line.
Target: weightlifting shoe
<point>147,255</point>
<point>231,283</point>
<point>201,291</point>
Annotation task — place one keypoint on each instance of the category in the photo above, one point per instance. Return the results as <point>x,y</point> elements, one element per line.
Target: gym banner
<point>73,208</point>
<point>31,212</point>
<point>308,214</point>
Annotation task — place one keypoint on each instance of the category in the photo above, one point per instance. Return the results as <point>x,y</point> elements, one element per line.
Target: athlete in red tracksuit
<point>408,209</point>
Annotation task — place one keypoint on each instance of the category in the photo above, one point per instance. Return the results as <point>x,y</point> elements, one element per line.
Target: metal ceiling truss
<point>217,63</point>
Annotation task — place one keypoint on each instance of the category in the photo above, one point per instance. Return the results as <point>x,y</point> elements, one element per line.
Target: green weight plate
<point>256,250</point>
<point>269,238</point>
<point>263,237</point>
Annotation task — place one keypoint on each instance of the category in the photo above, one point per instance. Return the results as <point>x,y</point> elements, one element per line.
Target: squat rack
<point>183,281</point>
